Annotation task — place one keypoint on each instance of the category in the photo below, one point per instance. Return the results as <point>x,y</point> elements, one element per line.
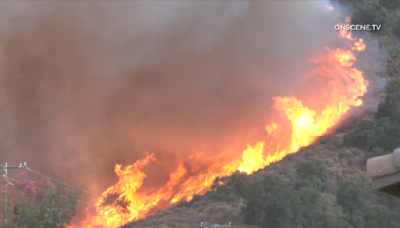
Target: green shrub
<point>40,205</point>
<point>352,3</point>
<point>383,133</point>
<point>376,151</point>
<point>392,70</point>
<point>350,196</point>
<point>376,216</point>
<point>276,204</point>
<point>393,86</point>
<point>390,4</point>
<point>313,168</point>
<point>272,206</point>
<point>371,14</point>
<point>224,193</point>
<point>389,108</point>
<point>327,219</point>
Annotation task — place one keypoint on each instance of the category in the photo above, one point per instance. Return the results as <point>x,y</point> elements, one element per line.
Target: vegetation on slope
<point>325,184</point>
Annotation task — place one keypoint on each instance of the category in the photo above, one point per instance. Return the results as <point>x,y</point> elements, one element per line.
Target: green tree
<point>224,193</point>
<point>376,151</point>
<point>314,168</point>
<point>389,108</point>
<point>350,196</point>
<point>396,30</point>
<point>371,14</point>
<point>390,4</point>
<point>46,209</point>
<point>395,217</point>
<point>328,219</point>
<point>352,3</point>
<point>364,136</point>
<point>247,185</point>
<point>356,218</point>
<point>393,86</point>
<point>312,173</point>
<point>377,216</point>
<point>308,207</point>
<point>383,133</point>
<point>273,205</point>
<point>330,214</point>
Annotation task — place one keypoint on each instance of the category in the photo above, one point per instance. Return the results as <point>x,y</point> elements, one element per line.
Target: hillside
<point>323,185</point>
<point>225,205</point>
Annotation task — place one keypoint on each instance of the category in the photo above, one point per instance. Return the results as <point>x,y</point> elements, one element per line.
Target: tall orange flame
<point>124,202</point>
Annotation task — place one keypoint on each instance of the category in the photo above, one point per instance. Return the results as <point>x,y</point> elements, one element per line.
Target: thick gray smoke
<point>85,85</point>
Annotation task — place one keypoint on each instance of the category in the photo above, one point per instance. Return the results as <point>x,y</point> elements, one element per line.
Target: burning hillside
<point>124,202</point>
<point>169,95</point>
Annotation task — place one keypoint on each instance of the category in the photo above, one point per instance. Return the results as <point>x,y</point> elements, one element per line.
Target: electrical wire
<point>33,171</point>
<point>80,201</point>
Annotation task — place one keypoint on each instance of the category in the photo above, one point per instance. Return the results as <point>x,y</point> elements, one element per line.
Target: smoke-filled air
<point>150,101</point>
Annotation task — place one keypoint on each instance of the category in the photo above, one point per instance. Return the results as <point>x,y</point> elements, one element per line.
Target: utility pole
<point>5,168</point>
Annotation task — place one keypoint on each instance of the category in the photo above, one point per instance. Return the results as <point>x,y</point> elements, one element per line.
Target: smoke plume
<point>86,85</point>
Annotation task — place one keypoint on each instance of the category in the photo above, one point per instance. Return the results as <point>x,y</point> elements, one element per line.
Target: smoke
<point>85,85</point>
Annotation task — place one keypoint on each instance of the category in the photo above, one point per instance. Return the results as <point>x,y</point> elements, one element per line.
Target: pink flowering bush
<point>42,204</point>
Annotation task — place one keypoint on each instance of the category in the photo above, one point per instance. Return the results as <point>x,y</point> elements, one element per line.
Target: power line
<point>80,201</point>
<point>33,171</point>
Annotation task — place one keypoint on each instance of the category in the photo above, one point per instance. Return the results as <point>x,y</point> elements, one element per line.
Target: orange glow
<point>196,174</point>
<point>330,7</point>
<point>272,129</point>
<point>359,46</point>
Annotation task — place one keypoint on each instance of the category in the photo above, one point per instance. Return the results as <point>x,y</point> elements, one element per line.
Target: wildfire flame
<point>358,45</point>
<point>124,202</point>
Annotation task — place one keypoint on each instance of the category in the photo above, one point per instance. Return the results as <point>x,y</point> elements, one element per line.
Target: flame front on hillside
<point>125,202</point>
